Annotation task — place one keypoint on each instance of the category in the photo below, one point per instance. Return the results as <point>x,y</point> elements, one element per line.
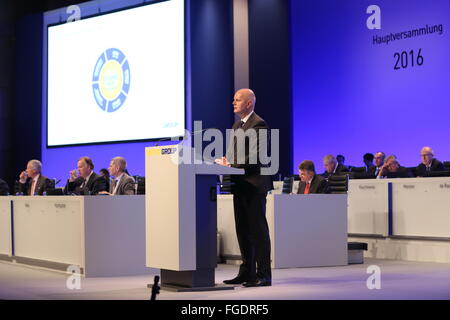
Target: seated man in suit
<point>4,188</point>
<point>87,182</point>
<point>310,182</point>
<point>379,162</point>
<point>122,183</point>
<point>332,167</point>
<point>32,182</point>
<point>392,169</point>
<point>429,163</point>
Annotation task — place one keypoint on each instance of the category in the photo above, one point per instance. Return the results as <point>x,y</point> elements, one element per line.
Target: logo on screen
<point>111,80</point>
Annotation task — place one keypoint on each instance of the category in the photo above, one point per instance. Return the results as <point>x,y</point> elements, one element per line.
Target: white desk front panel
<point>421,207</point>
<point>5,225</point>
<point>49,228</point>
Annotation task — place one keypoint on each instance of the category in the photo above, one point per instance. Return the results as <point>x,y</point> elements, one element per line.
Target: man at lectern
<point>85,181</point>
<point>249,194</point>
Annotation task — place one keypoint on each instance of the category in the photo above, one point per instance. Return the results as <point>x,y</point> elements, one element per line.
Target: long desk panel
<point>103,235</point>
<point>421,207</point>
<point>49,229</point>
<point>368,206</point>
<point>5,227</point>
<point>305,231</point>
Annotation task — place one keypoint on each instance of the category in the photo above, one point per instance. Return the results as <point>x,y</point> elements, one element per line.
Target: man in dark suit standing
<point>249,193</point>
<point>87,182</point>
<point>310,182</point>
<point>332,167</point>
<point>32,182</point>
<point>429,163</point>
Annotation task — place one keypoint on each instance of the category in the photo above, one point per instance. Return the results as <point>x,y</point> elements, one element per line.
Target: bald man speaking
<point>249,194</point>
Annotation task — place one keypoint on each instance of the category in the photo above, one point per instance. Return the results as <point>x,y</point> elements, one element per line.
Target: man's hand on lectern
<point>223,162</point>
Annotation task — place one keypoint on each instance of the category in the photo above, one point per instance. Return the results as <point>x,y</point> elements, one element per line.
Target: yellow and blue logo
<point>111,80</point>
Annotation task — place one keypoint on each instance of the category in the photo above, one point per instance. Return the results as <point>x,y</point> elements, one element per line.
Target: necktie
<point>307,188</point>
<point>33,185</point>
<point>241,124</point>
<point>114,187</point>
<point>83,185</point>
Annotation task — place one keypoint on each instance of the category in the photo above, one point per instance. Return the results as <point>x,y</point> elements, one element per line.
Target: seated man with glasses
<point>429,163</point>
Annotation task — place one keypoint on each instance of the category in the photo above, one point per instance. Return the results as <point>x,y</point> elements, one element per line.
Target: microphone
<point>155,288</point>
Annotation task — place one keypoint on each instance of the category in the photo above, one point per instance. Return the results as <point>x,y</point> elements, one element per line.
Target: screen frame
<point>186,77</point>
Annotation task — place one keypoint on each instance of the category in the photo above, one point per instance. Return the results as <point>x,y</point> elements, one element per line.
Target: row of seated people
<point>82,181</point>
<point>386,167</point>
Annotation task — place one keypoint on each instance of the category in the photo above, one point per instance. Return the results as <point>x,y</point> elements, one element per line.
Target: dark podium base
<point>184,281</point>
<point>175,288</point>
<point>188,281</point>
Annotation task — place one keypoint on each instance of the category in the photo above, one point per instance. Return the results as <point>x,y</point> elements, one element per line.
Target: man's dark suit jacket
<point>95,184</point>
<point>42,185</point>
<point>4,188</point>
<point>318,185</point>
<point>263,183</point>
<point>339,170</point>
<point>372,170</point>
<point>436,165</point>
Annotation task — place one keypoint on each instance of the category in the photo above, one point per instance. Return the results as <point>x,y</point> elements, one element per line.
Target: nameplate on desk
<point>445,186</point>
<point>367,187</point>
<point>408,186</point>
<point>60,205</point>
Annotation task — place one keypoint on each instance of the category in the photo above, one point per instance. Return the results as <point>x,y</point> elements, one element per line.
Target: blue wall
<point>347,97</point>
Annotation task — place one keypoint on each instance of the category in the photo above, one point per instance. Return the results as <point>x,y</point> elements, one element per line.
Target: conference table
<point>305,230</point>
<point>407,219</point>
<point>102,236</point>
<point>403,219</point>
<point>408,207</point>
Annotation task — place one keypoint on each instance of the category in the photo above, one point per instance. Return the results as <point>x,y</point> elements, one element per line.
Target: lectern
<point>181,217</point>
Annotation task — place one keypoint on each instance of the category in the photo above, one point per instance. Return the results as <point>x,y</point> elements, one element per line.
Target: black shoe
<point>237,280</point>
<point>258,283</point>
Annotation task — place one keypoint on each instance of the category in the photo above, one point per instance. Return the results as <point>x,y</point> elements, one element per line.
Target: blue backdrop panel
<point>353,93</point>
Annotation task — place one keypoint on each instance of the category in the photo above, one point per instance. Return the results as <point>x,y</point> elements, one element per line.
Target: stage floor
<point>399,280</point>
